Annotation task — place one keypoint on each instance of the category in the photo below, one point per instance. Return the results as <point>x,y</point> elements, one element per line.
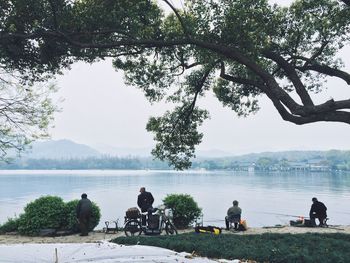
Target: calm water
<point>260,194</point>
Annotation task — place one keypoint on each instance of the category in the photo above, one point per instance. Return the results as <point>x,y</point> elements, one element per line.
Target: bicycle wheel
<point>170,229</point>
<point>132,228</point>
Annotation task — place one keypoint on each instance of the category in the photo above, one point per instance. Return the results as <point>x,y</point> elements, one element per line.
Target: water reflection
<point>114,191</point>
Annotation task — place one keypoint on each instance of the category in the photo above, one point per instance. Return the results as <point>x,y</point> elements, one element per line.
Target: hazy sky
<point>99,109</point>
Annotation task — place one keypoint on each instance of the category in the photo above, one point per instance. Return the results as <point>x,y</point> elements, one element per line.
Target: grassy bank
<point>262,248</point>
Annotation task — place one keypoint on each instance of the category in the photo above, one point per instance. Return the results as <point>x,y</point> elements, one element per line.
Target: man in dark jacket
<point>145,201</point>
<point>84,211</point>
<point>318,210</point>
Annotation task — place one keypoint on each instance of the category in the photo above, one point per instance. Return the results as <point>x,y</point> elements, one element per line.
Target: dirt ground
<point>99,235</point>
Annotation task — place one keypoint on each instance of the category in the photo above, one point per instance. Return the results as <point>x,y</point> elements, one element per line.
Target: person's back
<point>234,211</point>
<point>233,215</point>
<point>84,206</point>
<point>145,200</point>
<point>318,210</point>
<point>84,212</point>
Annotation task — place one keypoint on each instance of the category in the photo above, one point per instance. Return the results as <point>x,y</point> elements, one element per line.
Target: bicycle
<point>159,220</point>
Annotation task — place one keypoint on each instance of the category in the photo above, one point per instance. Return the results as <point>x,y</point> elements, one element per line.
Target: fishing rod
<point>214,220</point>
<point>222,220</point>
<point>284,215</point>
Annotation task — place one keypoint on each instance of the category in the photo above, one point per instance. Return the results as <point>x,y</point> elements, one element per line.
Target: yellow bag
<point>208,229</point>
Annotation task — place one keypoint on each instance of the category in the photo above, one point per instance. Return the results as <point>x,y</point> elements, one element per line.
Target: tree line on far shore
<point>333,160</point>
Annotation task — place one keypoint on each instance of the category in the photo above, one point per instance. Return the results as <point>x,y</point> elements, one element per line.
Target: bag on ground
<point>208,229</point>
<point>242,225</point>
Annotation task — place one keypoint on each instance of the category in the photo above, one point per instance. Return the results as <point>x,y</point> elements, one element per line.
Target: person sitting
<point>233,215</point>
<point>318,210</point>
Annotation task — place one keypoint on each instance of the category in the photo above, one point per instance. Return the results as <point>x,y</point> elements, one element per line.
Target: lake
<point>262,196</point>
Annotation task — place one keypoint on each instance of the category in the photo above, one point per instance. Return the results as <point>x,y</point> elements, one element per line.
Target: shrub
<point>49,212</point>
<point>44,212</point>
<point>185,209</point>
<point>71,220</point>
<point>10,226</point>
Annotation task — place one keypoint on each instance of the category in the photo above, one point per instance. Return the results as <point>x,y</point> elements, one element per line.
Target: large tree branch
<point>198,89</point>
<point>6,36</point>
<point>300,114</point>
<point>229,52</point>
<point>347,2</point>
<point>292,75</point>
<point>336,116</point>
<point>240,80</point>
<point>317,53</point>
<point>316,116</point>
<point>186,112</point>
<point>327,111</point>
<point>267,78</point>
<point>329,71</point>
<point>184,28</point>
<point>54,14</point>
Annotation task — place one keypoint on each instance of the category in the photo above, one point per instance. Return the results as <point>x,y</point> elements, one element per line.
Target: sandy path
<point>99,235</point>
<point>92,237</point>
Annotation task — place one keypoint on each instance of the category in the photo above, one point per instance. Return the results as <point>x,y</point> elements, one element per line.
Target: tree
<point>240,49</point>
<point>25,113</point>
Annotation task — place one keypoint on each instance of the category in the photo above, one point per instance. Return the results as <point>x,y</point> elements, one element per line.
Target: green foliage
<point>274,248</point>
<point>44,212</point>
<point>239,49</point>
<point>71,216</point>
<point>11,225</point>
<point>49,212</point>
<point>184,207</point>
<point>176,135</point>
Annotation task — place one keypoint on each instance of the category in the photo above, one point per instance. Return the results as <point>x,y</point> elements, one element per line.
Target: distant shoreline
<point>53,170</point>
<point>313,161</point>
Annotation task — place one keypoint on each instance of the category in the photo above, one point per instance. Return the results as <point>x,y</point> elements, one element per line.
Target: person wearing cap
<point>145,201</point>
<point>233,215</point>
<point>318,210</point>
<point>84,212</point>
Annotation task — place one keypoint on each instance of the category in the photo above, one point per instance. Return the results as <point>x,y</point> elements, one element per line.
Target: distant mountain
<point>65,149</point>
<point>289,155</point>
<point>60,149</point>
<point>213,153</point>
<point>122,151</point>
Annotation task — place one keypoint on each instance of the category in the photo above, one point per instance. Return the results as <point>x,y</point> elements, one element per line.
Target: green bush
<point>71,220</point>
<point>49,212</point>
<point>44,212</point>
<point>185,209</point>
<point>10,226</point>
